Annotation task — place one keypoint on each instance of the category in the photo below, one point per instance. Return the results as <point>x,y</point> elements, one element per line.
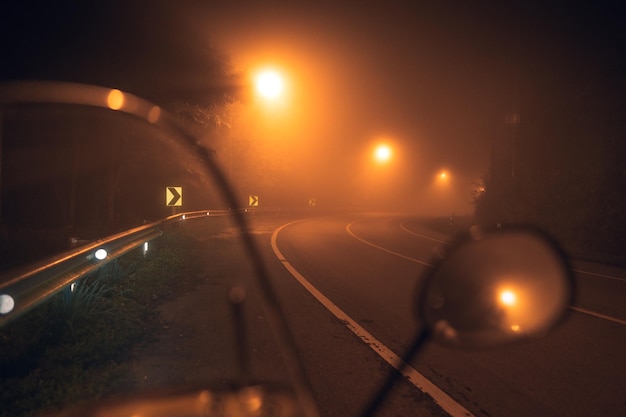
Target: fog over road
<point>369,266</point>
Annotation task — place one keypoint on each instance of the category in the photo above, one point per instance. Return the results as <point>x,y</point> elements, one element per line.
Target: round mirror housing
<point>495,288</point>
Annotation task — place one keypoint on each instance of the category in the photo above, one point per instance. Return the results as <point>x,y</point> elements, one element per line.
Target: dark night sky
<point>435,79</point>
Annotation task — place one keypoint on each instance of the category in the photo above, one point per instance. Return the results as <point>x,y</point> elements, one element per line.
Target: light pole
<point>378,168</point>
<point>267,85</point>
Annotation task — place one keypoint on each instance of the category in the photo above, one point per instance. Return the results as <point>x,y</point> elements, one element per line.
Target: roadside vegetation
<point>79,345</point>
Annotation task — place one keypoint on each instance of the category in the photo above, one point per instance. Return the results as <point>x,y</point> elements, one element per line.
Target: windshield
<point>248,206</point>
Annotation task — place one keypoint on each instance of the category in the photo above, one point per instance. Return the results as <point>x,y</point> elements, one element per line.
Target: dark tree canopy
<point>98,176</point>
<point>558,160</point>
<point>147,48</point>
<point>561,163</point>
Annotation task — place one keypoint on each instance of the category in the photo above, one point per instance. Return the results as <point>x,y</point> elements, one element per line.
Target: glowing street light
<point>382,153</point>
<point>508,298</point>
<point>442,179</point>
<point>269,84</point>
<point>443,176</point>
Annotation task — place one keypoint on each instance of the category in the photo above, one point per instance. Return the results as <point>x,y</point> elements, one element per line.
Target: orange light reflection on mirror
<point>115,100</point>
<point>508,297</point>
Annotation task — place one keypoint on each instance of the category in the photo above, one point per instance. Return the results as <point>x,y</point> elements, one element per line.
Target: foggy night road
<point>509,112</point>
<point>369,267</point>
<point>577,370</point>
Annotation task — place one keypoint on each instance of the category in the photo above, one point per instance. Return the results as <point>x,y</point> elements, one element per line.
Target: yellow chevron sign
<point>174,196</point>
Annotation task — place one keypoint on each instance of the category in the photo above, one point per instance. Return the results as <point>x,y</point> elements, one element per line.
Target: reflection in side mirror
<point>496,288</point>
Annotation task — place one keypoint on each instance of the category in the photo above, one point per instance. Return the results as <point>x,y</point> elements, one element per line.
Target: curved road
<point>368,267</point>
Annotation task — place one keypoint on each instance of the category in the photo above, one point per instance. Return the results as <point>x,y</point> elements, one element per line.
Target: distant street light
<point>443,177</point>
<point>382,153</point>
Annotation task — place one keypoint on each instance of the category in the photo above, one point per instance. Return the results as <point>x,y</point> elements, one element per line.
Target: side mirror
<point>496,288</point>
<point>489,289</point>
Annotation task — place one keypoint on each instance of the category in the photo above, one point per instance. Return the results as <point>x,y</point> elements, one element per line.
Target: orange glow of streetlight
<point>382,153</point>
<point>269,84</point>
<point>115,99</point>
<point>508,298</point>
<point>443,178</point>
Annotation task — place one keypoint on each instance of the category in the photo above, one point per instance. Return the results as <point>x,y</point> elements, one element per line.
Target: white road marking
<point>421,235</point>
<point>598,275</point>
<point>408,258</point>
<point>578,271</point>
<point>418,380</point>
<point>598,315</point>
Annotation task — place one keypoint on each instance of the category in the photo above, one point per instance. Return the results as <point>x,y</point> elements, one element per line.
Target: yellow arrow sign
<point>253,201</point>
<point>174,196</point>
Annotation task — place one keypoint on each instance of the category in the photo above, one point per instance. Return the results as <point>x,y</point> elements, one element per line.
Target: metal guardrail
<point>29,286</point>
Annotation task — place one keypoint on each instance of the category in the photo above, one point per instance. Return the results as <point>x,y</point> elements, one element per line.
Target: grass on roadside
<point>77,346</point>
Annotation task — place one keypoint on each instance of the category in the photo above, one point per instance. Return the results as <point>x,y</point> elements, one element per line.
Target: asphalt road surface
<point>347,284</point>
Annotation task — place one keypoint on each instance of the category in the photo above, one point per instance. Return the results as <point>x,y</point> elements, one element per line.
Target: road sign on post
<point>253,201</point>
<point>174,196</point>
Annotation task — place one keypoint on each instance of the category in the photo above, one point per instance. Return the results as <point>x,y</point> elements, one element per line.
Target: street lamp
<point>268,88</point>
<point>382,153</point>
<point>269,84</point>
<point>378,172</point>
<point>443,177</point>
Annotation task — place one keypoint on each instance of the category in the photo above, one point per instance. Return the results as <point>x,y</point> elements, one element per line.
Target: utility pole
<point>512,121</point>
